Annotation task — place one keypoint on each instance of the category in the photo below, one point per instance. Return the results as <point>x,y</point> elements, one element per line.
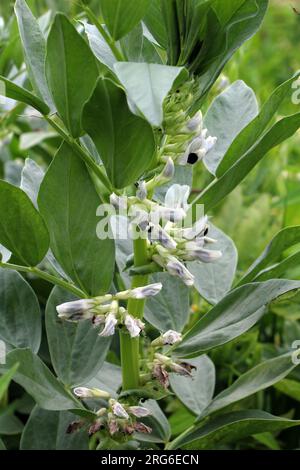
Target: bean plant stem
<point>46,276</point>
<point>130,357</point>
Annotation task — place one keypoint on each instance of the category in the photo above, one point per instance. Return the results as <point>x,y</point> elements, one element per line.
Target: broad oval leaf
<point>231,427</point>
<point>232,316</point>
<point>35,377</point>
<point>214,280</point>
<point>10,90</point>
<point>169,310</point>
<point>20,316</point>
<point>22,229</point>
<point>280,132</point>
<point>68,202</point>
<point>121,16</point>
<point>47,430</point>
<point>34,46</point>
<point>77,351</point>
<point>147,85</point>
<point>251,133</point>
<point>258,378</point>
<point>124,141</point>
<point>158,422</point>
<point>229,113</point>
<point>196,394</point>
<point>283,240</point>
<point>68,58</point>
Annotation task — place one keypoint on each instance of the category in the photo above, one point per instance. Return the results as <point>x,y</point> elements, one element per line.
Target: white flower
<point>176,268</point>
<point>157,234</point>
<point>208,256</point>
<point>139,411</point>
<point>76,310</point>
<point>142,191</point>
<point>146,291</point>
<point>177,197</point>
<point>195,123</point>
<point>110,323</point>
<point>118,410</point>
<point>133,325</point>
<point>171,337</point>
<point>198,148</point>
<point>83,392</point>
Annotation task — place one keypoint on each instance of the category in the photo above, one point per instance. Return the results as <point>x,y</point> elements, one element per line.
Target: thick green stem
<point>130,346</point>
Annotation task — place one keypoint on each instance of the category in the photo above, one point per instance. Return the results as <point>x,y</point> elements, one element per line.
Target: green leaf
<point>74,360</point>
<point>99,46</point>
<point>22,229</point>
<point>124,141</point>
<point>232,316</point>
<point>35,377</point>
<point>2,446</point>
<point>229,113</point>
<point>34,46</point>
<point>138,48</point>
<point>32,177</point>
<point>231,427</point>
<point>196,394</point>
<point>15,92</point>
<point>20,316</point>
<point>255,129</point>
<point>258,378</point>
<point>279,269</point>
<point>283,240</point>
<point>169,310</point>
<point>214,280</point>
<point>10,425</point>
<point>5,380</point>
<point>68,203</point>
<point>147,85</point>
<point>68,57</point>
<point>121,16</point>
<point>280,132</point>
<point>47,430</point>
<point>109,378</point>
<point>157,422</point>
<point>155,23</point>
<point>289,387</point>
<point>228,37</point>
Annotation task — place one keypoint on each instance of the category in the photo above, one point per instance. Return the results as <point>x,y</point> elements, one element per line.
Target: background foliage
<point>266,202</point>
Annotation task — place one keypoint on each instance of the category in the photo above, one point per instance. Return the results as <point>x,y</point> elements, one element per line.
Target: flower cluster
<point>185,139</point>
<point>105,310</point>
<point>116,417</point>
<point>170,243</point>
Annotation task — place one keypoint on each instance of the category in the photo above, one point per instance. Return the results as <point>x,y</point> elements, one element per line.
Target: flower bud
<point>195,123</point>
<point>208,256</point>
<point>171,337</point>
<point>169,170</point>
<point>157,234</point>
<point>139,411</point>
<point>119,202</point>
<point>176,268</point>
<point>146,291</point>
<point>142,191</point>
<point>118,410</point>
<point>76,310</point>
<point>83,392</point>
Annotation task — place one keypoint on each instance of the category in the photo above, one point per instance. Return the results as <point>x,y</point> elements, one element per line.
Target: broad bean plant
<point>133,98</point>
